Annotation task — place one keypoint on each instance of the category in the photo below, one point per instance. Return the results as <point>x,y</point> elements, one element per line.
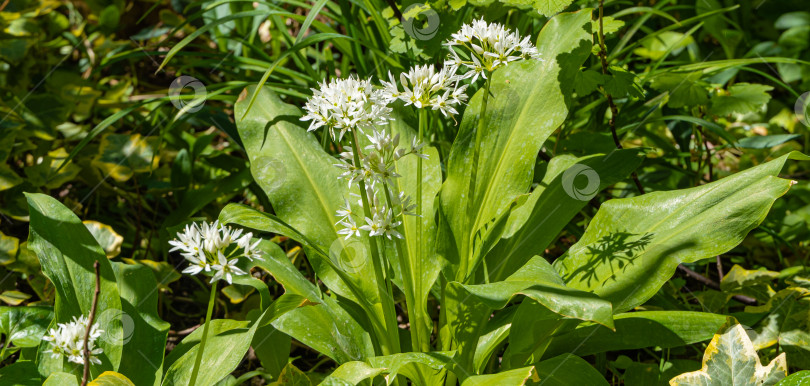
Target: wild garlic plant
<point>214,249</point>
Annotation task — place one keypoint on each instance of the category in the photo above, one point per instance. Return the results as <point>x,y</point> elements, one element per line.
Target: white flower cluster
<point>214,247</point>
<point>377,167</point>
<point>489,46</point>
<point>424,87</point>
<point>67,340</point>
<point>344,104</point>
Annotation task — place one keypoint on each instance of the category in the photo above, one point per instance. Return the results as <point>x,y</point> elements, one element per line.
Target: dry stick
<point>614,111</point>
<point>90,318</point>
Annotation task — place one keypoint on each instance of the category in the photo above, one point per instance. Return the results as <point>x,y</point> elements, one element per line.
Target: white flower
<point>424,87</point>
<point>68,340</point>
<point>209,246</point>
<point>488,46</point>
<point>225,268</point>
<point>349,228</point>
<point>346,104</point>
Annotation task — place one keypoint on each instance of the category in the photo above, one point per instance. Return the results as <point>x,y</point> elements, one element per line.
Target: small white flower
<point>349,228</point>
<point>225,268</point>
<point>425,87</point>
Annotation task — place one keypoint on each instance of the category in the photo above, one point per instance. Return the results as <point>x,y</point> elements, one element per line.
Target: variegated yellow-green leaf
<point>8,248</point>
<point>45,171</point>
<point>106,236</point>
<point>111,378</point>
<point>14,298</point>
<point>787,324</point>
<point>731,359</point>
<point>121,155</point>
<point>753,283</point>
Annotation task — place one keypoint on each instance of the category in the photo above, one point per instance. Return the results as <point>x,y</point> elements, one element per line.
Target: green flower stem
<point>210,311</point>
<point>407,281</point>
<point>425,336</point>
<point>467,253</point>
<point>391,343</point>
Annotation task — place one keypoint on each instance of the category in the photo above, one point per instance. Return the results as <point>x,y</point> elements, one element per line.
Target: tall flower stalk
<point>215,250</point>
<point>478,49</point>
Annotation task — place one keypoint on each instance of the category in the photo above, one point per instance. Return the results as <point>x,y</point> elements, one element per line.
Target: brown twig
<point>2,7</point>
<point>713,284</point>
<point>90,318</point>
<point>614,110</point>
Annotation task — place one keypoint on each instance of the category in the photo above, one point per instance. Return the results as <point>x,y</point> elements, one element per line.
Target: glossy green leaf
<point>24,326</point>
<point>801,378</point>
<point>766,141</point>
<point>565,189</point>
<point>515,377</point>
<point>639,329</point>
<point>568,369</point>
<point>391,365</point>
<point>67,251</point>
<point>144,333</point>
<point>469,306</point>
<point>632,246</point>
<point>61,379</point>
<point>730,359</point>
<point>226,345</point>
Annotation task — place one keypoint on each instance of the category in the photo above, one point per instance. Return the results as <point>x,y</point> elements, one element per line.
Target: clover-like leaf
<point>731,359</point>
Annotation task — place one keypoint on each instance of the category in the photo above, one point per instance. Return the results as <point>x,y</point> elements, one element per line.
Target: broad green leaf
<point>336,333</point>
<point>568,369</point>
<point>111,378</point>
<point>632,246</point>
<point>519,118</point>
<point>24,326</point>
<point>272,347</point>
<point>753,283</point>
<point>67,251</point>
<point>731,359</point>
<point>515,377</point>
<point>787,324</point>
<point>639,329</point>
<point>122,155</point>
<point>226,345</point>
<point>20,373</point>
<point>565,189</point>
<point>741,98</point>
<point>801,378</point>
<point>469,306</point>
<point>61,379</point>
<point>390,365</point>
<point>106,236</point>
<point>144,332</point>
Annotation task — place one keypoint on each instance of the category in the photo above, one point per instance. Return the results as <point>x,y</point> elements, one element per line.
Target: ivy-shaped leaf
<point>742,98</point>
<point>731,359</point>
<point>753,283</point>
<point>684,89</point>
